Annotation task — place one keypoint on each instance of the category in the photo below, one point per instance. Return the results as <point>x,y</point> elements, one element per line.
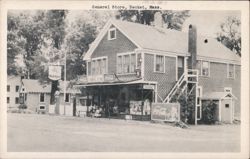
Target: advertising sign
<point>54,72</point>
<point>166,112</point>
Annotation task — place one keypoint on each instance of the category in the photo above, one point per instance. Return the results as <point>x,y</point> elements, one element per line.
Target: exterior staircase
<point>189,76</point>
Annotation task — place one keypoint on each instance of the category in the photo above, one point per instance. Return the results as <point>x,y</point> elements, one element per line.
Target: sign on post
<point>54,72</point>
<point>166,112</point>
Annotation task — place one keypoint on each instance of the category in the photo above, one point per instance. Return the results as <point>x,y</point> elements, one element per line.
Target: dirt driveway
<point>44,133</point>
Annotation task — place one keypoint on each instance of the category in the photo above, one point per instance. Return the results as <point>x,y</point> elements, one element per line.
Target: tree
<point>15,44</point>
<point>230,34</point>
<point>79,35</point>
<point>172,19</point>
<point>55,33</point>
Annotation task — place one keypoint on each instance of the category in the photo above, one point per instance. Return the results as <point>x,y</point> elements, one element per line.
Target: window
<point>159,63</point>
<point>103,66</point>
<point>89,68</point>
<point>126,63</point>
<point>8,100</point>
<point>8,88</point>
<point>42,107</point>
<point>119,64</point>
<point>17,100</point>
<point>97,66</point>
<point>227,105</point>
<point>112,34</point>
<point>67,97</point>
<point>205,68</point>
<point>17,88</point>
<point>230,70</point>
<point>42,97</point>
<point>132,63</point>
<point>228,89</point>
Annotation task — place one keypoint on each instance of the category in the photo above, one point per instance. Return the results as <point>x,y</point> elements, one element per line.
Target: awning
<point>140,81</point>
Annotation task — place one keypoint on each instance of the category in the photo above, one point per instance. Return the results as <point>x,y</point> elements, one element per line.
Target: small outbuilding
<point>224,105</point>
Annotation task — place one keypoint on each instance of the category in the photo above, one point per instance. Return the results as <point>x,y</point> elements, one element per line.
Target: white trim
<point>201,90</point>
<point>122,55</point>
<point>98,58</point>
<point>160,53</point>
<point>201,74</point>
<point>142,65</point>
<point>164,63</point>
<point>212,59</point>
<point>177,68</point>
<point>111,29</point>
<point>220,110</point>
<point>40,97</point>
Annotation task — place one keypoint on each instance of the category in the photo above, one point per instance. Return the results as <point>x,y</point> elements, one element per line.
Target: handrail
<point>184,77</point>
<point>179,82</point>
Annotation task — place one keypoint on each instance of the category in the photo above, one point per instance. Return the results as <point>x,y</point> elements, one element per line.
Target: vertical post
<point>195,106</point>
<point>142,102</point>
<point>65,60</point>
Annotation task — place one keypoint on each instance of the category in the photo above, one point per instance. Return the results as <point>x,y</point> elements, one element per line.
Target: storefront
<point>119,100</point>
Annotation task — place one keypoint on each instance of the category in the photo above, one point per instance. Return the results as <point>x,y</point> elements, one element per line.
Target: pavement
<point>47,133</point>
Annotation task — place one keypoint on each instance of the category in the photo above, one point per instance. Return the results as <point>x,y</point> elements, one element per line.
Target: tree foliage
<point>230,34</point>
<point>171,19</point>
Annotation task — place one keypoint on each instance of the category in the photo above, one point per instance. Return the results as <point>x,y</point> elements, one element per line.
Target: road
<point>45,133</point>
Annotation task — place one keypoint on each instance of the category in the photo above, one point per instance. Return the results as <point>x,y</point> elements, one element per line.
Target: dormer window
<point>112,34</point>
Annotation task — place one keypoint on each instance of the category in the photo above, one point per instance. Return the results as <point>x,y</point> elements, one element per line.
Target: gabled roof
<point>34,86</point>
<point>166,40</point>
<point>218,95</point>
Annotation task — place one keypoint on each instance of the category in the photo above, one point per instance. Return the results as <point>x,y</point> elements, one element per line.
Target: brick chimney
<point>192,46</point>
<point>158,21</point>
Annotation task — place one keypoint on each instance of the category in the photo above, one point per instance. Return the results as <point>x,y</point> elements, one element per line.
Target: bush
<point>208,112</point>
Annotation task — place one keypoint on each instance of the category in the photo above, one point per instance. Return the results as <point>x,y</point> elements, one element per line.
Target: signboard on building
<point>54,72</point>
<point>166,112</point>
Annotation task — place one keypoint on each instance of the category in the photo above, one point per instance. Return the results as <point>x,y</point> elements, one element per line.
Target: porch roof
<point>139,81</point>
<point>218,95</point>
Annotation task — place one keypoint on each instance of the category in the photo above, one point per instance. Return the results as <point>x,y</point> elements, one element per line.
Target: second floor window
<point>97,66</point>
<point>205,68</point>
<point>8,88</point>
<point>8,99</point>
<point>126,63</point>
<point>159,63</point>
<point>230,71</point>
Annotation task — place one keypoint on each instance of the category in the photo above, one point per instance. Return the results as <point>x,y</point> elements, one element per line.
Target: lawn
<point>45,133</point>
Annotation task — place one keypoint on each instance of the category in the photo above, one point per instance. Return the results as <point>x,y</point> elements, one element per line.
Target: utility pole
<point>65,60</point>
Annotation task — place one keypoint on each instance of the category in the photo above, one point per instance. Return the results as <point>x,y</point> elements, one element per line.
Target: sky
<point>208,22</point>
